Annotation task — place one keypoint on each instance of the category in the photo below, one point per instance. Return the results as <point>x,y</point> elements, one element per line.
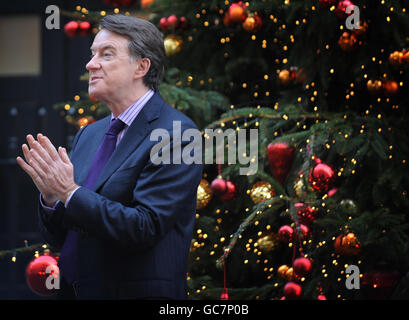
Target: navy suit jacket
<point>136,225</point>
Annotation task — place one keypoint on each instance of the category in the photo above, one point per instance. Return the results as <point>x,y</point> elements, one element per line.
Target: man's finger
<point>28,169</point>
<point>42,152</point>
<point>35,145</point>
<point>45,167</point>
<point>25,166</point>
<point>31,162</point>
<point>30,140</point>
<point>48,146</point>
<point>26,152</point>
<point>39,172</point>
<point>32,173</point>
<point>64,155</point>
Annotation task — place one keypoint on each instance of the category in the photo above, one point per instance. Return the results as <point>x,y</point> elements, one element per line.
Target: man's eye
<point>107,54</point>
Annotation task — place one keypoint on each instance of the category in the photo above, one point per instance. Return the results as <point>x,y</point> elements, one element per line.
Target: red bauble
<point>332,192</point>
<point>146,3</point>
<point>173,22</point>
<point>280,156</point>
<point>120,3</point>
<point>224,295</point>
<point>341,7</point>
<point>84,28</point>
<point>347,42</point>
<point>127,3</point>
<point>286,233</point>
<point>163,24</point>
<point>390,87</point>
<point>183,23</point>
<point>302,266</point>
<point>237,12</point>
<point>71,28</point>
<point>321,297</point>
<point>405,58</point>
<point>37,273</point>
<point>321,177</point>
<point>230,193</point>
<point>219,186</point>
<point>327,3</point>
<point>304,232</point>
<point>305,213</point>
<point>226,20</point>
<point>259,22</point>
<point>292,291</point>
<point>300,75</point>
<point>225,189</point>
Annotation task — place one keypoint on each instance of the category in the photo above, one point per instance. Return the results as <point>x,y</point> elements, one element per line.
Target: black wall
<point>26,107</point>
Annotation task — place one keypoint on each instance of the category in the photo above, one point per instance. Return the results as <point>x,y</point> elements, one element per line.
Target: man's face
<point>111,72</point>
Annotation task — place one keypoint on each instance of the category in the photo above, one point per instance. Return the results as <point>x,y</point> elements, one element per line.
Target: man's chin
<point>95,96</point>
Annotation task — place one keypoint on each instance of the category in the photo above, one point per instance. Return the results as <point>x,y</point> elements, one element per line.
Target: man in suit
<point>123,222</point>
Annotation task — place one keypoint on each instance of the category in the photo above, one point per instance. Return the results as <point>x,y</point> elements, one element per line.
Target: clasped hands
<point>51,171</point>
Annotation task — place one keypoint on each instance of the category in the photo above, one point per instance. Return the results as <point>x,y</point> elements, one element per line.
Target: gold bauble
<point>267,241</point>
<point>285,77</point>
<point>374,85</point>
<point>261,191</point>
<point>349,206</point>
<point>282,270</point>
<point>204,194</point>
<point>173,44</point>
<point>300,188</point>
<point>351,244</point>
<point>289,274</point>
<point>347,245</point>
<point>396,58</point>
<point>250,24</point>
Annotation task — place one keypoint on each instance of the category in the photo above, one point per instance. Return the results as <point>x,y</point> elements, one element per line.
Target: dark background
<point>26,107</point>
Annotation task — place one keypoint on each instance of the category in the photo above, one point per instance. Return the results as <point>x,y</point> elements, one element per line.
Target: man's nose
<point>92,64</point>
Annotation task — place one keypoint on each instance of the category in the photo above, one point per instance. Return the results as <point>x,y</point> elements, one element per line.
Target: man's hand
<point>51,171</point>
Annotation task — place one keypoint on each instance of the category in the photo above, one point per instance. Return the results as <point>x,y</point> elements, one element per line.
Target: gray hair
<point>145,41</point>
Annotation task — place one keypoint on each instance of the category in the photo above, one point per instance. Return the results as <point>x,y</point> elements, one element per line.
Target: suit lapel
<point>135,134</point>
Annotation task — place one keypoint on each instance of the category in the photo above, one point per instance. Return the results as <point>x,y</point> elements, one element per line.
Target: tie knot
<point>115,127</point>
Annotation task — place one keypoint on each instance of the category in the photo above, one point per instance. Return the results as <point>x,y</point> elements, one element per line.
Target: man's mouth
<point>94,78</point>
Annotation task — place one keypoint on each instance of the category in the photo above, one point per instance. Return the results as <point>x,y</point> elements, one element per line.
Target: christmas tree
<point>323,82</point>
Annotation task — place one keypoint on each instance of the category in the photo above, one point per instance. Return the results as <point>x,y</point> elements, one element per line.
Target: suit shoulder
<point>97,125</point>
<point>170,114</point>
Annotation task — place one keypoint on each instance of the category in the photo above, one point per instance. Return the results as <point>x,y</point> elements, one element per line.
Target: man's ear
<point>142,67</point>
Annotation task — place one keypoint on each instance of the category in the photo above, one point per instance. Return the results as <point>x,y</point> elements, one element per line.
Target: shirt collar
<point>130,113</point>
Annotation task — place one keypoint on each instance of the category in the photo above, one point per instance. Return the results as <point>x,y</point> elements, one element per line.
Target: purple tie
<point>68,260</point>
